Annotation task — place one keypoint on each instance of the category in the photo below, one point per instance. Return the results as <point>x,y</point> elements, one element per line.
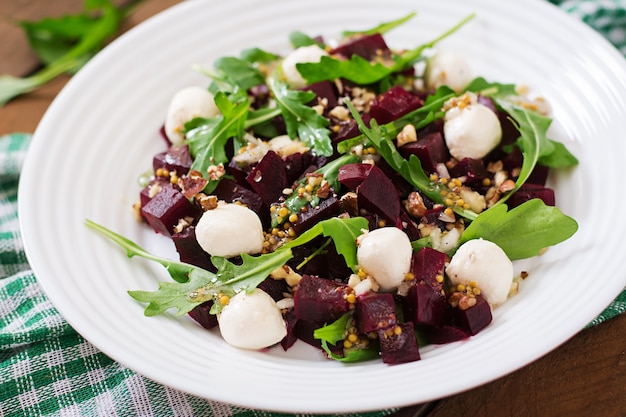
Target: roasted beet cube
<point>189,251</point>
<point>146,195</point>
<point>430,150</point>
<point>352,175</point>
<point>530,191</point>
<point>393,104</point>
<point>374,195</point>
<point>424,305</point>
<point>292,334</point>
<point>473,319</point>
<point>320,300</point>
<point>349,129</point>
<point>164,210</point>
<point>375,311</point>
<point>443,335</point>
<point>472,169</point>
<point>176,158</point>
<point>231,192</point>
<point>427,265</point>
<point>202,316</point>
<point>367,46</point>
<point>239,172</point>
<point>324,90</point>
<point>296,164</point>
<point>268,178</point>
<point>276,288</point>
<point>398,346</point>
<point>326,209</point>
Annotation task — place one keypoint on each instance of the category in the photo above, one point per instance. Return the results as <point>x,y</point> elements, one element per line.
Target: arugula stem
<point>314,254</point>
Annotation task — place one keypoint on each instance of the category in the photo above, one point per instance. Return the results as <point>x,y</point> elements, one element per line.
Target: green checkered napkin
<point>47,369</point>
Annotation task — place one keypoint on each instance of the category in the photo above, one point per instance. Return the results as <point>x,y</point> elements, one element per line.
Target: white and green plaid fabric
<point>47,369</point>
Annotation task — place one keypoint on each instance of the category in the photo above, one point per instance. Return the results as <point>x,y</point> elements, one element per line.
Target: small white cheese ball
<point>188,103</point>
<point>230,230</point>
<point>385,254</point>
<point>312,53</point>
<point>252,321</point>
<point>487,265</point>
<point>448,68</point>
<point>472,131</point>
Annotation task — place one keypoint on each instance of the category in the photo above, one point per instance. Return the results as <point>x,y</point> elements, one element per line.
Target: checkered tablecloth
<point>47,369</point>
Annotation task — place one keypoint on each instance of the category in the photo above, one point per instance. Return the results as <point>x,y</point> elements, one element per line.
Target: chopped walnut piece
<point>414,205</point>
<point>216,171</point>
<point>207,202</point>
<point>324,190</point>
<point>406,135</point>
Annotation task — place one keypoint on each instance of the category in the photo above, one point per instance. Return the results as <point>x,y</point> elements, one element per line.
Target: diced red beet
<point>392,104</point>
<point>349,129</point>
<point>475,318</point>
<point>326,209</point>
<point>296,164</point>
<point>408,226</point>
<point>429,149</point>
<point>375,311</point>
<point>276,288</point>
<point>231,192</point>
<point>144,194</point>
<point>472,169</point>
<point>374,195</point>
<point>320,300</point>
<point>352,175</point>
<point>539,175</point>
<point>292,335</point>
<point>176,158</point>
<point>239,172</point>
<point>189,251</point>
<point>423,305</point>
<point>399,347</point>
<point>530,191</point>
<point>202,316</point>
<point>268,178</point>
<point>443,335</point>
<point>324,90</point>
<point>367,46</point>
<point>427,264</point>
<point>164,210</point>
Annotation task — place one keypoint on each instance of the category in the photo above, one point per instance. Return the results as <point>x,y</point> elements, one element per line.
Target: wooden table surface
<point>586,376</point>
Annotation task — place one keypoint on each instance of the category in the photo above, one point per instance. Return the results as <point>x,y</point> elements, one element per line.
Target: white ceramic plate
<point>100,134</point>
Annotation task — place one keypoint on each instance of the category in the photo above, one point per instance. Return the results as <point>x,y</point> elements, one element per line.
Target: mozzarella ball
<point>487,265</point>
<point>448,68</point>
<point>188,103</point>
<point>230,230</point>
<point>385,254</point>
<point>472,131</point>
<point>252,321</point>
<point>312,53</point>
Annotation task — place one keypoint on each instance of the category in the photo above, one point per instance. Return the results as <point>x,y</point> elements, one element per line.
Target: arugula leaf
<point>240,71</point>
<point>480,85</point>
<point>361,71</point>
<point>381,28</point>
<point>335,332</point>
<point>51,43</point>
<point>560,157</point>
<point>196,285</point>
<point>302,120</point>
<point>523,231</point>
<point>344,233</point>
<point>253,55</point>
<point>208,137</point>
<point>299,39</point>
<point>534,143</point>
<point>179,271</point>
